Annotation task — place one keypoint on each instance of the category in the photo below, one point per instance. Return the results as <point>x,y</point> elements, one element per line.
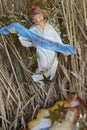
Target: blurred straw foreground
<point>20,97</point>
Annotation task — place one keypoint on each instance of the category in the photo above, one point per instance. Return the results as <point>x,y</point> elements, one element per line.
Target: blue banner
<point>38,40</point>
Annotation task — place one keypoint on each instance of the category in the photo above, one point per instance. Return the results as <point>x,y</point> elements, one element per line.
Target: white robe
<point>46,59</point>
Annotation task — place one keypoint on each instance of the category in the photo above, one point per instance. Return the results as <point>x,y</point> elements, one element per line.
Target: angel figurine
<point>46,41</point>
<point>46,59</point>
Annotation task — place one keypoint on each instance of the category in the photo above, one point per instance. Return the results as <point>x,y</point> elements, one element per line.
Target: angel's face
<point>38,19</point>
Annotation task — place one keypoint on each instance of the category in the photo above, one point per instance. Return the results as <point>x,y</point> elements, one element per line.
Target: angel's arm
<point>25,42</point>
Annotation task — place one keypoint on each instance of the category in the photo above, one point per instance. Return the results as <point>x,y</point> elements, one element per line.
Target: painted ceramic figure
<point>46,41</point>
<point>71,117</point>
<point>46,59</point>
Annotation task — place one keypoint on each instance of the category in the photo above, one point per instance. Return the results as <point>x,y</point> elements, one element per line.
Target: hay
<point>20,97</point>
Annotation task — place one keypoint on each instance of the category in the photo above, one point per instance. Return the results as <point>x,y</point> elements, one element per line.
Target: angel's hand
<point>12,31</point>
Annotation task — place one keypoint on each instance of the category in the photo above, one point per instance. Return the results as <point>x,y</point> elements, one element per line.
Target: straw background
<point>20,97</point>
